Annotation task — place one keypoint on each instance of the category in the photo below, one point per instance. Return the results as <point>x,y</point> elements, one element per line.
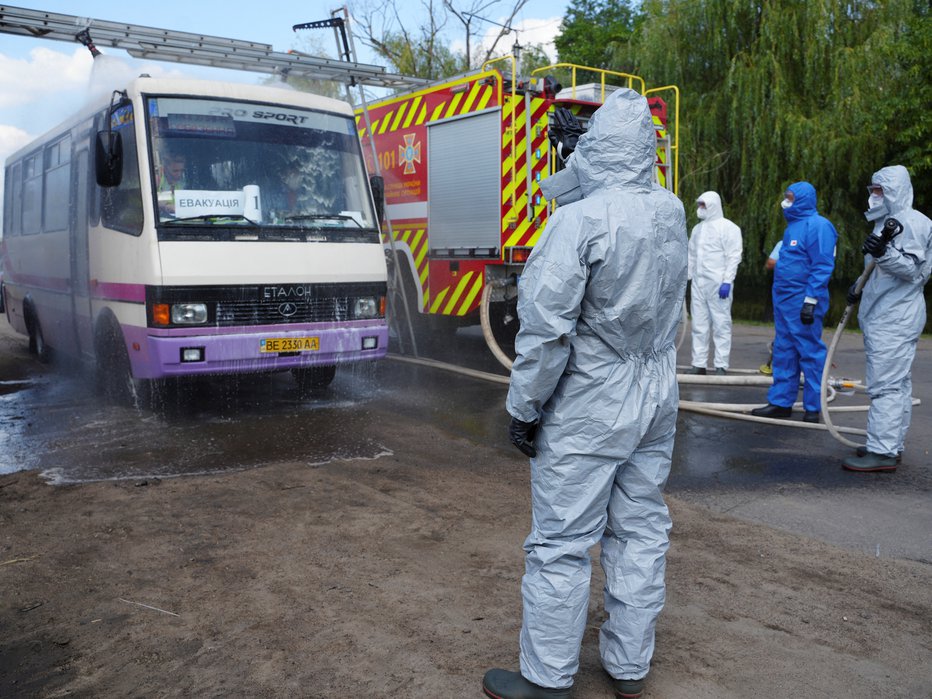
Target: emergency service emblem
<point>409,153</point>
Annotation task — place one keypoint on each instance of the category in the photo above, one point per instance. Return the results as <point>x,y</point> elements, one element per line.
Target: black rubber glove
<point>874,245</point>
<point>807,314</point>
<point>522,436</point>
<point>853,295</point>
<point>564,132</point>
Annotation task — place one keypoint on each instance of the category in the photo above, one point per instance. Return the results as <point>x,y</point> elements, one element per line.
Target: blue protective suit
<point>806,262</point>
<point>893,313</point>
<point>599,302</point>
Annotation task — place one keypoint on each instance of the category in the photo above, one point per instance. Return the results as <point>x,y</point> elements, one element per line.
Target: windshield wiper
<point>212,218</point>
<point>316,217</point>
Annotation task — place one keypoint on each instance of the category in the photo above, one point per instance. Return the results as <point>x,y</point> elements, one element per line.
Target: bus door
<point>80,282</point>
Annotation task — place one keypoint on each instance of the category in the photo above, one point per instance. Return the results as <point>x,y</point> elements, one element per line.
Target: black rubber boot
<point>862,451</point>
<point>720,371</point>
<point>628,689</point>
<point>869,463</point>
<point>771,410</point>
<point>700,370</point>
<point>505,684</point>
<point>811,416</point>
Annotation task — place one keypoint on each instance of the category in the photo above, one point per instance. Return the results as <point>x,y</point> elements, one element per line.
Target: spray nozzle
<point>84,38</point>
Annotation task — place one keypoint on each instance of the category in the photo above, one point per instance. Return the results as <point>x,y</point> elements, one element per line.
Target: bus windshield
<point>256,169</point>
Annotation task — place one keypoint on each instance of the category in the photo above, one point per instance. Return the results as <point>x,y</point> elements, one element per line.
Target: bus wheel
<point>115,371</point>
<point>314,378</point>
<point>37,344</point>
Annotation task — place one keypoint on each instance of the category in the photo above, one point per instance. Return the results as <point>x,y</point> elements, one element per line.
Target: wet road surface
<point>53,420</point>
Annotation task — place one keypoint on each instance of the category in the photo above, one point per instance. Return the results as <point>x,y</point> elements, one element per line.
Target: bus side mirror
<point>377,185</point>
<point>108,159</point>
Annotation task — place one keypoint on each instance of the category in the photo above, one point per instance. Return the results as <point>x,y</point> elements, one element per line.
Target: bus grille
<point>256,312</point>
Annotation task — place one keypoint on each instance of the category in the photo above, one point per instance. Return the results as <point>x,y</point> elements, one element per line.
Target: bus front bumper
<point>158,354</point>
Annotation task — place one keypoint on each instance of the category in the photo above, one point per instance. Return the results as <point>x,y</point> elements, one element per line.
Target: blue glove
<point>724,290</point>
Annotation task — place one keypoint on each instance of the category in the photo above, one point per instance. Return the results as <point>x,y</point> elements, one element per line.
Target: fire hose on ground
<point>737,377</point>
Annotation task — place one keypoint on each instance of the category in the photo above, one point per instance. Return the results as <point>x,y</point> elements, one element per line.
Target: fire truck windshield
<point>221,164</point>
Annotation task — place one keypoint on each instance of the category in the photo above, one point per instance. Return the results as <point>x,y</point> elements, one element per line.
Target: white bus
<point>188,227</point>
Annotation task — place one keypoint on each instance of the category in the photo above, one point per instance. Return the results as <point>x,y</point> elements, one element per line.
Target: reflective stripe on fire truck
<point>523,232</point>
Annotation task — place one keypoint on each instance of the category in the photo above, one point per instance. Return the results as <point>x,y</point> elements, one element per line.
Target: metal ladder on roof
<point>194,49</point>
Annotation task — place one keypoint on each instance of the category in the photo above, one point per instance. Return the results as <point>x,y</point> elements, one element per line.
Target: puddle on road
<point>62,428</point>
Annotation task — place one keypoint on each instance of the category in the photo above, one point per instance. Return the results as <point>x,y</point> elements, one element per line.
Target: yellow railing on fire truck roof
<point>674,146</point>
<point>602,73</point>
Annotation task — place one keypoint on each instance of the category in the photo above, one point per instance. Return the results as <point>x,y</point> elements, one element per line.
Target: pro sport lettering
<point>296,119</point>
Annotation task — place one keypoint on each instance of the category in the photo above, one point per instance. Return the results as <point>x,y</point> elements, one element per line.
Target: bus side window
<point>56,193</point>
<point>121,206</point>
<point>32,194</point>
<point>13,206</point>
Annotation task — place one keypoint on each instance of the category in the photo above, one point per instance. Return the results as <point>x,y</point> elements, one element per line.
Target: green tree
<point>594,32</point>
<point>775,92</point>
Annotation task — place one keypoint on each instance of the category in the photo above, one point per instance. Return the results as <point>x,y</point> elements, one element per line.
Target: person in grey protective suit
<point>593,400</point>
<point>714,254</point>
<point>892,314</point>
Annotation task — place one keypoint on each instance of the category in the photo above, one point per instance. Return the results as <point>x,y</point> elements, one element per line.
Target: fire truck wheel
<point>504,323</point>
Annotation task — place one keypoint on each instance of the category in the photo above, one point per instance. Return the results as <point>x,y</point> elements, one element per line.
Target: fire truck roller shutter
<point>464,194</point>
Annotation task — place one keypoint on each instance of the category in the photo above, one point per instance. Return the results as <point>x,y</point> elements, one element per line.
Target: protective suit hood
<point>713,205</point>
<point>804,202</point>
<point>897,189</point>
<point>619,148</point>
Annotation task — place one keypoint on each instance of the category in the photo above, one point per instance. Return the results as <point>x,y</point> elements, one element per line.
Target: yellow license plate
<point>289,344</point>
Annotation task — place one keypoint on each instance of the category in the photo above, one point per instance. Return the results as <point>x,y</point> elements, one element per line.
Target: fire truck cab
<point>462,160</point>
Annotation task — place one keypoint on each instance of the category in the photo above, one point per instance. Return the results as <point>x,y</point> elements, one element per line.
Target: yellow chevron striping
<point>401,112</point>
<point>437,112</point>
<point>453,108</point>
<point>471,98</point>
<point>519,233</point>
<point>451,304</point>
<point>422,115</point>
<point>415,103</point>
<point>467,302</point>
<point>437,301</point>
<point>486,97</point>
<point>386,121</point>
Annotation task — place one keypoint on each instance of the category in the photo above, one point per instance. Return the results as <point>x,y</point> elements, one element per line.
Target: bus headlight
<point>366,307</point>
<point>189,313</point>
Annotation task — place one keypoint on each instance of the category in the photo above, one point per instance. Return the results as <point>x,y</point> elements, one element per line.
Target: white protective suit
<point>892,314</point>
<point>714,254</point>
<point>599,303</point>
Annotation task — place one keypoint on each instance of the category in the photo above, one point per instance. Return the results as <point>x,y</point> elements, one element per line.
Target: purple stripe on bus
<point>116,291</point>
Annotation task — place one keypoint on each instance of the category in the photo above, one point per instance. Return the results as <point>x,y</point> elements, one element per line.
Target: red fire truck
<point>462,160</point>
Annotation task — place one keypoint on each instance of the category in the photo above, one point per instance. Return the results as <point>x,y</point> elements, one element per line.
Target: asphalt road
<point>52,420</point>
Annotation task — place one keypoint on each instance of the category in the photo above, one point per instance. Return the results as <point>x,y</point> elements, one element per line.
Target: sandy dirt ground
<point>399,577</point>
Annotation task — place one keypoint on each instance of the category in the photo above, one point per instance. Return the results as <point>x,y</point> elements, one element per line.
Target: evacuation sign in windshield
<point>218,163</point>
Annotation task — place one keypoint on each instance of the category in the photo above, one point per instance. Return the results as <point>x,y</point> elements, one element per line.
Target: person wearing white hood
<point>593,400</point>
<point>714,254</point>
<point>892,314</point>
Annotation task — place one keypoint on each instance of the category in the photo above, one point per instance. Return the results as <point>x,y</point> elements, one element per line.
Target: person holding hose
<point>593,400</point>
<point>714,254</point>
<point>892,314</point>
<point>800,300</point>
